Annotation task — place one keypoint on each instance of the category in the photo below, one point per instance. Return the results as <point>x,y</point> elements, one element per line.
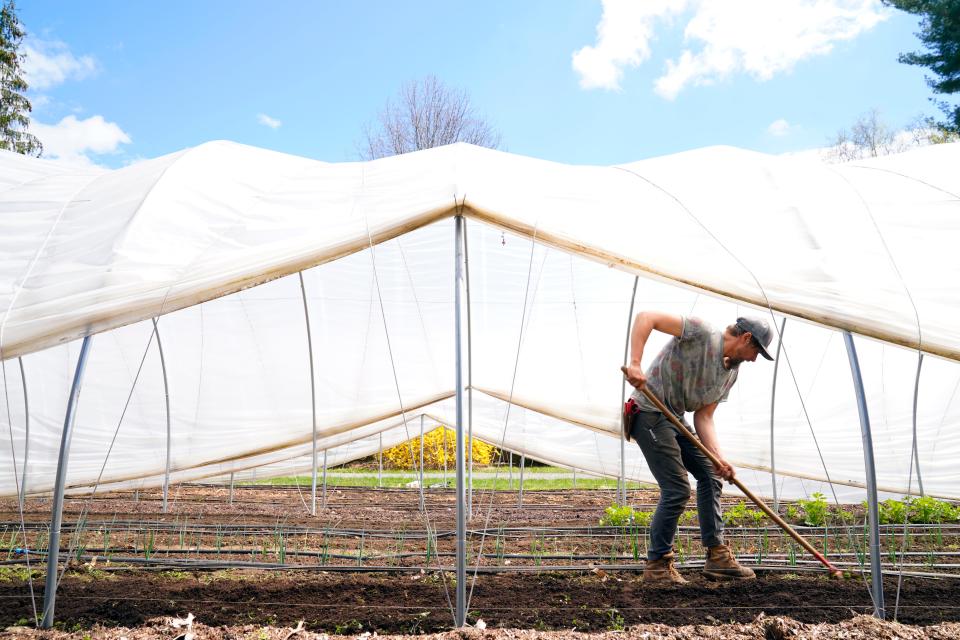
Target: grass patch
<point>395,481</point>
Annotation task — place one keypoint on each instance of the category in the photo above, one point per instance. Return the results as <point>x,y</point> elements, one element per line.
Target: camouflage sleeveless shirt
<point>688,373</point>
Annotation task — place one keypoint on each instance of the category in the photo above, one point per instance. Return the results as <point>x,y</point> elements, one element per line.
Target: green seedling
<point>617,516</point>
<point>815,510</point>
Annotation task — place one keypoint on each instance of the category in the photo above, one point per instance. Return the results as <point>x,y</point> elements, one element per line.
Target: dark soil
<point>550,527</point>
<point>405,603</point>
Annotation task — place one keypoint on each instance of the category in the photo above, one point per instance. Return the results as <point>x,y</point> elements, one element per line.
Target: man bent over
<point>692,373</point>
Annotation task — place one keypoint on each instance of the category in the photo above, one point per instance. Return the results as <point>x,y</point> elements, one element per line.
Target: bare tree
<point>870,137</point>
<point>426,114</point>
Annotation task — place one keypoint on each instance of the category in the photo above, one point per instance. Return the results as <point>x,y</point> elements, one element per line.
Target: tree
<point>14,106</point>
<point>426,114</point>
<point>870,137</point>
<point>940,34</point>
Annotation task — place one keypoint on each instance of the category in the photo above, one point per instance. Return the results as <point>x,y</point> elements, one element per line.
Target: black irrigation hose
<point>800,565</point>
<point>591,531</point>
<point>198,565</point>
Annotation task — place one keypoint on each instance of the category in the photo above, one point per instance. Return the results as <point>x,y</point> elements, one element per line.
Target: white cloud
<point>267,121</point>
<point>756,37</point>
<point>779,128</point>
<point>48,63</point>
<point>623,40</point>
<point>71,140</point>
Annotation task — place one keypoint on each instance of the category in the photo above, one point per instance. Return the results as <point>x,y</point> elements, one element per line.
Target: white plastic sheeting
<point>861,247</point>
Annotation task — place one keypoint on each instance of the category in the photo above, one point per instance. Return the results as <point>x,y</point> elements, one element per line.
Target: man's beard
<point>732,363</point>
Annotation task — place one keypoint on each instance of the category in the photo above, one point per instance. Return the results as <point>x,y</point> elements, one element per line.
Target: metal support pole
<point>313,404</point>
<point>423,504</point>
<point>523,463</point>
<point>231,487</point>
<point>380,460</point>
<point>445,455</point>
<point>166,398</point>
<point>466,270</point>
<point>871,471</point>
<point>621,481</point>
<point>26,436</point>
<point>53,549</point>
<point>916,449</point>
<point>574,477</point>
<point>461,611</point>
<point>773,398</point>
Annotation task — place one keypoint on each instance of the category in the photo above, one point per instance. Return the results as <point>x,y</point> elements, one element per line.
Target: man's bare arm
<point>643,326</point>
<point>706,430</point>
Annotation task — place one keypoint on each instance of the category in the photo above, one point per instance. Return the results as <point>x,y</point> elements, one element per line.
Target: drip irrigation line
<point>123,564</point>
<point>420,607</point>
<point>162,556</point>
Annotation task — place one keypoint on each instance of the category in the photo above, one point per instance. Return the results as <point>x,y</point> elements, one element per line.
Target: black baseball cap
<point>760,330</point>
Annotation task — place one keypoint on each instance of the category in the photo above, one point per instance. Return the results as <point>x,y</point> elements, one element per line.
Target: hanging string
<point>396,380</point>
<point>506,422</point>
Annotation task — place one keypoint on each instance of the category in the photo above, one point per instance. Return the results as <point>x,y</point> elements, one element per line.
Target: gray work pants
<point>670,455</point>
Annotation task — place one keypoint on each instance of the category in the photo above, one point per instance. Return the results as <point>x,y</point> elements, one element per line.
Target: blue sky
<point>576,81</point>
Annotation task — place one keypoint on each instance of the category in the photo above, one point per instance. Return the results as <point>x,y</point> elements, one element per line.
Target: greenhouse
<point>228,313</point>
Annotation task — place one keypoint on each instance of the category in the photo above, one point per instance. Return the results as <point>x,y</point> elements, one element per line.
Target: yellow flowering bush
<point>406,455</point>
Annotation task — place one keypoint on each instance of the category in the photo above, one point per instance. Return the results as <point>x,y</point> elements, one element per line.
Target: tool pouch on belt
<point>630,410</point>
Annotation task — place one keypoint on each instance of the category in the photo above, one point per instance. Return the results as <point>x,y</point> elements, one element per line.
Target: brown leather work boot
<point>662,571</point>
<point>721,565</point>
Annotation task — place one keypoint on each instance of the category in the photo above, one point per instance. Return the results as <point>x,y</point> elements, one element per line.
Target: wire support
<point>513,382</point>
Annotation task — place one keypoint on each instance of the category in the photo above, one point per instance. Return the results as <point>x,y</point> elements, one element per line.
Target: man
<point>693,373</point>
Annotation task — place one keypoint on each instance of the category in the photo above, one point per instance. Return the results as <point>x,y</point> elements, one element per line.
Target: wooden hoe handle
<point>773,515</point>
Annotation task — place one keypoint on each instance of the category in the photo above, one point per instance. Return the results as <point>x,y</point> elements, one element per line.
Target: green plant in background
<point>635,542</point>
<point>148,544</point>
<point>792,513</point>
<point>617,623</point>
<point>739,514</point>
<point>815,510</point>
<point>617,516</point>
<point>537,548</point>
<point>927,510</point>
<point>498,546</point>
<point>642,518</point>
<point>282,549</point>
<point>922,510</point>
<point>431,545</point>
<point>681,551</point>
<point>686,518</point>
<point>325,551</point>
<point>892,511</point>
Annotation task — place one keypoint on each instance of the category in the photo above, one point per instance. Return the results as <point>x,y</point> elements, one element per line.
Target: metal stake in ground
<point>834,572</point>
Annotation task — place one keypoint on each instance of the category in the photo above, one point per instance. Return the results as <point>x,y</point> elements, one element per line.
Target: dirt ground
<point>340,602</point>
<point>104,600</point>
<point>859,628</point>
